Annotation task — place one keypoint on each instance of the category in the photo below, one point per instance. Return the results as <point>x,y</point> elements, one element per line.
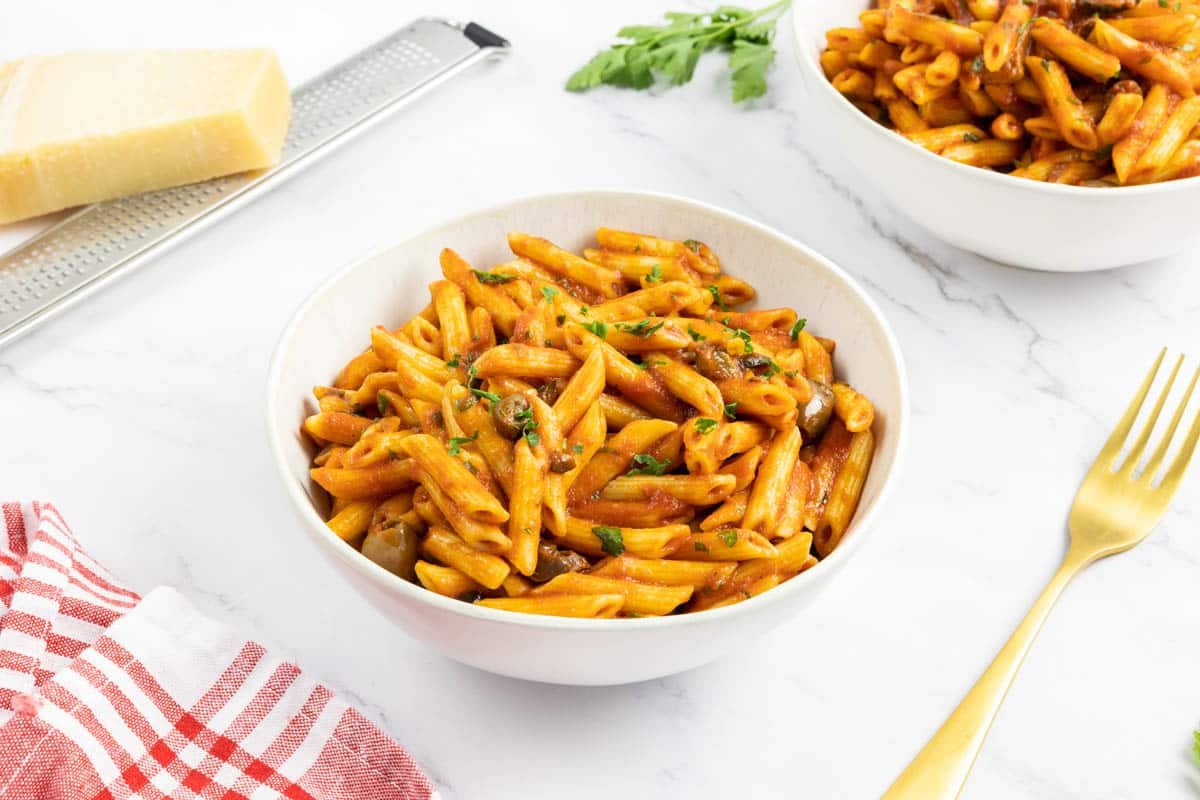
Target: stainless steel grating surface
<point>76,256</point>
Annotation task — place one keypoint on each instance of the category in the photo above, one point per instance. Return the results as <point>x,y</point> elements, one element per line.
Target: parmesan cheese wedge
<point>84,127</point>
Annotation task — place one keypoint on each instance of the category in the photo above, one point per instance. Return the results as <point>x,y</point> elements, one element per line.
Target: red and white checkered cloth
<point>105,695</point>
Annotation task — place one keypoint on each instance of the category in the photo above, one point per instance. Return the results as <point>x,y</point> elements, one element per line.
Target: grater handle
<point>100,242</point>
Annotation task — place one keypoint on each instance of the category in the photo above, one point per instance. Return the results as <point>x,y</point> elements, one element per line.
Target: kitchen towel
<point>107,695</point>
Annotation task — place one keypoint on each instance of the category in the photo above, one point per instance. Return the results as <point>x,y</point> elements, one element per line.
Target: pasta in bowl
<point>596,435</point>
<point>588,425</point>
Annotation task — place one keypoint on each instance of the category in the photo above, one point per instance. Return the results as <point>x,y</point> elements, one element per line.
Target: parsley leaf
<point>548,292</point>
<point>670,51</point>
<point>454,362</point>
<point>693,245</point>
<point>971,137</point>
<point>700,547</point>
<point>648,465</point>
<point>705,425</point>
<point>493,277</point>
<point>597,327</point>
<point>797,326</point>
<point>642,328</point>
<point>533,438</point>
<point>696,335</point>
<point>489,396</point>
<point>456,443</point>
<point>747,342</point>
<point>728,537</point>
<point>576,449</point>
<point>382,402</point>
<point>717,301</point>
<point>731,410</point>
<point>610,539</point>
<point>655,274</point>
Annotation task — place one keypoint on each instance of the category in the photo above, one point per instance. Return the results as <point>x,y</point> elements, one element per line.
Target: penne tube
<point>352,520</point>
<point>757,398</point>
<point>789,520</point>
<point>696,490</point>
<point>1167,139</point>
<point>619,412</point>
<point>876,53</point>
<point>582,443</point>
<point>450,304</point>
<point>1143,59</point>
<point>1152,115</point>
<point>825,465</point>
<point>1184,164</point>
<point>1080,54</point>
<point>424,336</point>
<point>770,486</point>
<point>971,103</point>
<point>636,437</point>
<point>944,69</point>
<point>1003,39</point>
<point>484,568</point>
<point>594,606</point>
<point>483,536</point>
<point>581,535</point>
<point>845,492</point>
<point>605,281</point>
<point>744,467</point>
<point>855,84</point>
<point>380,480</point>
<point>661,510</point>
<point>690,387</point>
<point>638,267</point>
<point>905,117</point>
<point>856,412</point>
<point>1171,29</point>
<point>846,40</point>
<point>666,572</point>
<point>987,153</point>
<point>634,383</point>
<point>1118,117</point>
<point>503,309</point>
<point>336,427</point>
<point>641,599</point>
<point>727,544</point>
<point>755,576</point>
<point>729,514</point>
<point>940,33</point>
<point>525,361</point>
<point>833,62</point>
<point>454,479</point>
<point>1065,108</point>
<point>937,139</point>
<point>357,370</point>
<point>446,581</point>
<point>1007,127</point>
<point>525,507</point>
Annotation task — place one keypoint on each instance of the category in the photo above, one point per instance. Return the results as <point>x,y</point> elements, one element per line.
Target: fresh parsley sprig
<point>671,51</point>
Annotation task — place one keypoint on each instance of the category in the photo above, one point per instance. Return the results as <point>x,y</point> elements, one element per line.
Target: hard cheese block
<point>84,127</point>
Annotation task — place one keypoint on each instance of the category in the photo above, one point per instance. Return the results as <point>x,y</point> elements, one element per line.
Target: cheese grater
<point>100,242</point>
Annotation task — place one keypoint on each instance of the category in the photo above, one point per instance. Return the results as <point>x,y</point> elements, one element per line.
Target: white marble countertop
<point>140,414</point>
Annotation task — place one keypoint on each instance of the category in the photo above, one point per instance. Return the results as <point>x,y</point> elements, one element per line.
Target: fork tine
<point>1112,448</point>
<point>1160,452</point>
<point>1139,446</point>
<point>1175,472</point>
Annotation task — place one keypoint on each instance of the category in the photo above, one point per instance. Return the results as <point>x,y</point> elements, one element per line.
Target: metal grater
<point>100,242</point>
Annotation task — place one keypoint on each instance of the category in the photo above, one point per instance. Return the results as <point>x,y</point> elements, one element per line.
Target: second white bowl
<point>1017,221</point>
<point>391,286</point>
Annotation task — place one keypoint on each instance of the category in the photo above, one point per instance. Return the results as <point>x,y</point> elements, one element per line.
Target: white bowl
<point>390,286</point>
<point>1017,221</point>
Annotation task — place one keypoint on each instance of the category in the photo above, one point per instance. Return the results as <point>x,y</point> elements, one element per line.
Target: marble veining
<point>140,413</point>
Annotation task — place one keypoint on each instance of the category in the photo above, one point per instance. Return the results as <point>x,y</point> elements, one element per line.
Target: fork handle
<point>940,769</point>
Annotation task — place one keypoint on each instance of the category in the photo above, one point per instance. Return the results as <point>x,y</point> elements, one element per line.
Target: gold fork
<point>1113,511</point>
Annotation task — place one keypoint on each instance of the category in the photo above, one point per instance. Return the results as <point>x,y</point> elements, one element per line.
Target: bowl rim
<point>862,523</point>
<point>802,41</point>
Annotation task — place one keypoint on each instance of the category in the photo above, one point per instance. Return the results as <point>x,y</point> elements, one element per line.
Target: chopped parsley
<point>455,445</point>
<point>974,137</point>
<point>493,277</point>
<point>797,326</point>
<point>695,334</point>
<point>700,547</point>
<point>717,301</point>
<point>655,274</point>
<point>728,537</point>
<point>454,362</point>
<point>648,465</point>
<point>576,449</point>
<point>705,425</point>
<point>548,292</point>
<point>643,328</point>
<point>382,402</point>
<point>597,327</point>
<point>533,438</point>
<point>560,319</point>
<point>529,426</point>
<point>731,410</point>
<point>491,397</point>
<point>693,245</point>
<point>977,65</point>
<point>610,539</point>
